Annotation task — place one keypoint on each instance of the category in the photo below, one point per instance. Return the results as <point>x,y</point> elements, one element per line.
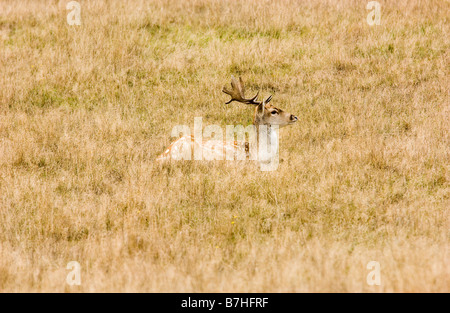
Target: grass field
<point>363,175</point>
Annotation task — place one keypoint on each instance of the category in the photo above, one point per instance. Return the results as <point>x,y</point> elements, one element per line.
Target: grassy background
<point>85,110</point>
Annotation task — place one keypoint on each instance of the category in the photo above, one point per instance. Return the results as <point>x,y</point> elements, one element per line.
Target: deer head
<point>265,113</point>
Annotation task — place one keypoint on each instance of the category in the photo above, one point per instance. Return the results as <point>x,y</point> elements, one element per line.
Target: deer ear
<point>260,108</point>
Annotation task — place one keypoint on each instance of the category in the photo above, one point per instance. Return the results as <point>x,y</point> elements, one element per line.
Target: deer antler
<point>237,92</point>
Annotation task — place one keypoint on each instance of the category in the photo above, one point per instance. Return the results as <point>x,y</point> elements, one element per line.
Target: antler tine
<point>237,92</point>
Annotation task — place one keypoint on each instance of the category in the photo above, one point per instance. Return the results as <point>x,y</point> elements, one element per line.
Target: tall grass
<point>85,110</point>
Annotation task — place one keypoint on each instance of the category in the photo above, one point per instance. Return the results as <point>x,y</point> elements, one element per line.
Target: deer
<point>266,117</point>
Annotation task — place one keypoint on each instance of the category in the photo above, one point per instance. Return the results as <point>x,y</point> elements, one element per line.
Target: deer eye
<point>274,112</point>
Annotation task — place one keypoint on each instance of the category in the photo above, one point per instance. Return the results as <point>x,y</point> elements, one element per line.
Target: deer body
<point>267,120</point>
<point>210,149</point>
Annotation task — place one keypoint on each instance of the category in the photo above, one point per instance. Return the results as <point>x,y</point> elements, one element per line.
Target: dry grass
<point>85,110</point>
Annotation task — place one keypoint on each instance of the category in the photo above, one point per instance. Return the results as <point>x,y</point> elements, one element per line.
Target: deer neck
<point>272,137</point>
